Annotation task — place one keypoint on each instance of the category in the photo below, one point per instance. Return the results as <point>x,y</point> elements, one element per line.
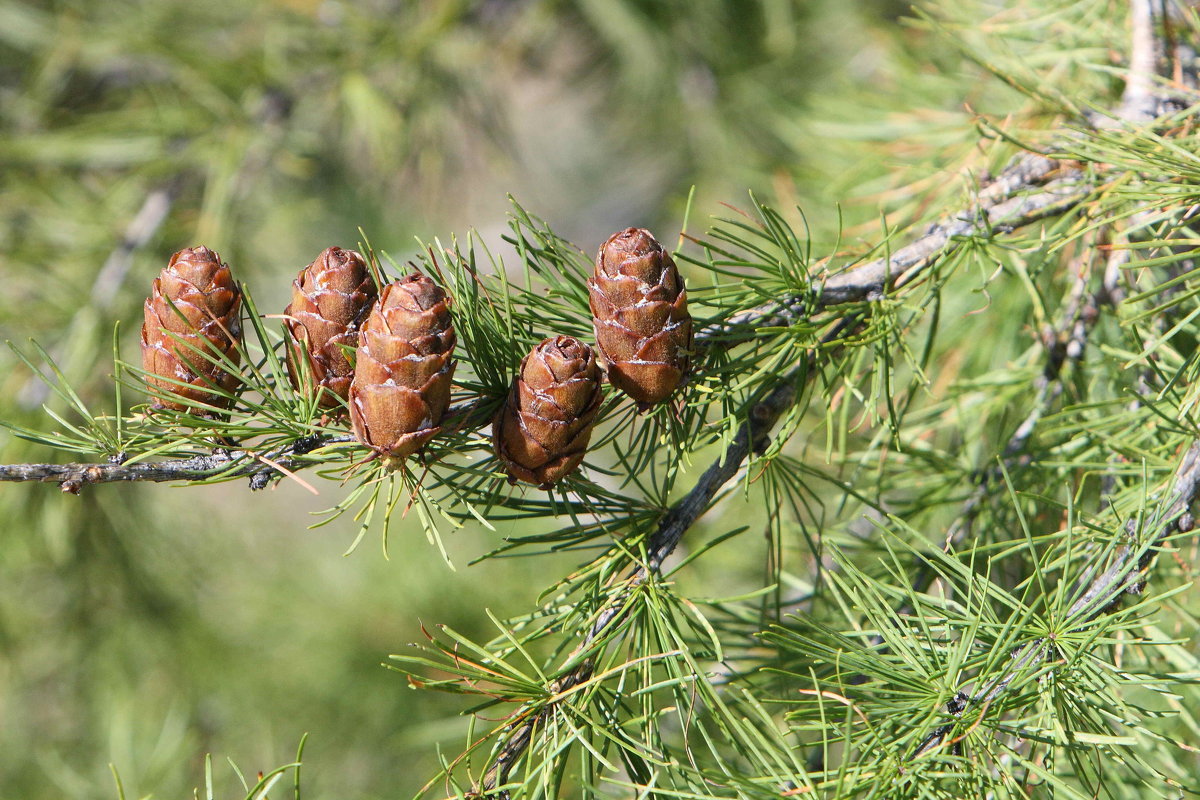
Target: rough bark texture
<point>191,322</point>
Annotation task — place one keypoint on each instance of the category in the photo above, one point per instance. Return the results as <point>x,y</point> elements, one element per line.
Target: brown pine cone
<point>403,368</point>
<point>331,298</point>
<point>192,311</point>
<point>640,315</point>
<point>541,432</point>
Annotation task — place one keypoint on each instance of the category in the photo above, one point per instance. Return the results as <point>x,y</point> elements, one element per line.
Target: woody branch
<point>1030,189</point>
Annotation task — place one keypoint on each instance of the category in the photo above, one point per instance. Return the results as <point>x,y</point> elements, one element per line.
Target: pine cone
<point>541,432</point>
<point>639,312</point>
<point>404,364</point>
<point>331,298</point>
<point>192,312</point>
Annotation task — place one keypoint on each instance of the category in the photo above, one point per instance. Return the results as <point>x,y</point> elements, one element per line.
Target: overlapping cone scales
<point>541,432</point>
<point>330,299</point>
<point>403,368</point>
<point>639,312</point>
<point>191,329</point>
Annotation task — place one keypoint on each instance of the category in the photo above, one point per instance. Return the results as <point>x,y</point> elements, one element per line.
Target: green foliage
<point>959,565</point>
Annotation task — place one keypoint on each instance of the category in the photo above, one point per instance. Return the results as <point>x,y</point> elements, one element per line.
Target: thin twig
<point>1065,344</point>
<point>1122,575</point>
<point>112,274</point>
<point>73,477</point>
<point>1031,188</point>
<point>1139,102</point>
<point>753,436</point>
<point>138,234</point>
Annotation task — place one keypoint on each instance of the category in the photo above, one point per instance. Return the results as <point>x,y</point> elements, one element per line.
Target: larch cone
<point>640,316</point>
<point>403,368</point>
<point>191,332</point>
<point>541,433</point>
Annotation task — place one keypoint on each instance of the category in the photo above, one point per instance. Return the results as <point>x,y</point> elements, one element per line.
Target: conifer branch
<point>1122,575</point>
<point>1139,103</point>
<point>1031,188</point>
<point>926,381</point>
<point>753,436</point>
<point>1006,203</point>
<point>260,467</point>
<point>1065,343</point>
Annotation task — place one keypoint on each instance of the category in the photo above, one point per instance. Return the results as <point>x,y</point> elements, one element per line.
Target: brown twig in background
<point>1139,102</point>
<point>1065,343</point>
<point>112,274</point>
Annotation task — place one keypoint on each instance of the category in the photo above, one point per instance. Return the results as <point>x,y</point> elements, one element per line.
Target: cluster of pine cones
<point>389,355</point>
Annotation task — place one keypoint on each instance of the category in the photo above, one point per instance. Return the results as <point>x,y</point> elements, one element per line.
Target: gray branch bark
<point>1031,188</point>
<point>754,435</point>
<point>260,468</point>
<point>1122,575</point>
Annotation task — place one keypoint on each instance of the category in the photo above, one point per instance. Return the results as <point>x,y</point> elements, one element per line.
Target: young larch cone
<point>192,318</point>
<point>541,432</point>
<point>403,368</point>
<point>330,300</point>
<point>640,315</point>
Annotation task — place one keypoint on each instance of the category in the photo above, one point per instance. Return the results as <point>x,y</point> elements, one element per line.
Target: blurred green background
<point>145,626</point>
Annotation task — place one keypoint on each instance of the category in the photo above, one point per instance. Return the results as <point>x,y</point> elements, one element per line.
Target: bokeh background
<point>144,626</point>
